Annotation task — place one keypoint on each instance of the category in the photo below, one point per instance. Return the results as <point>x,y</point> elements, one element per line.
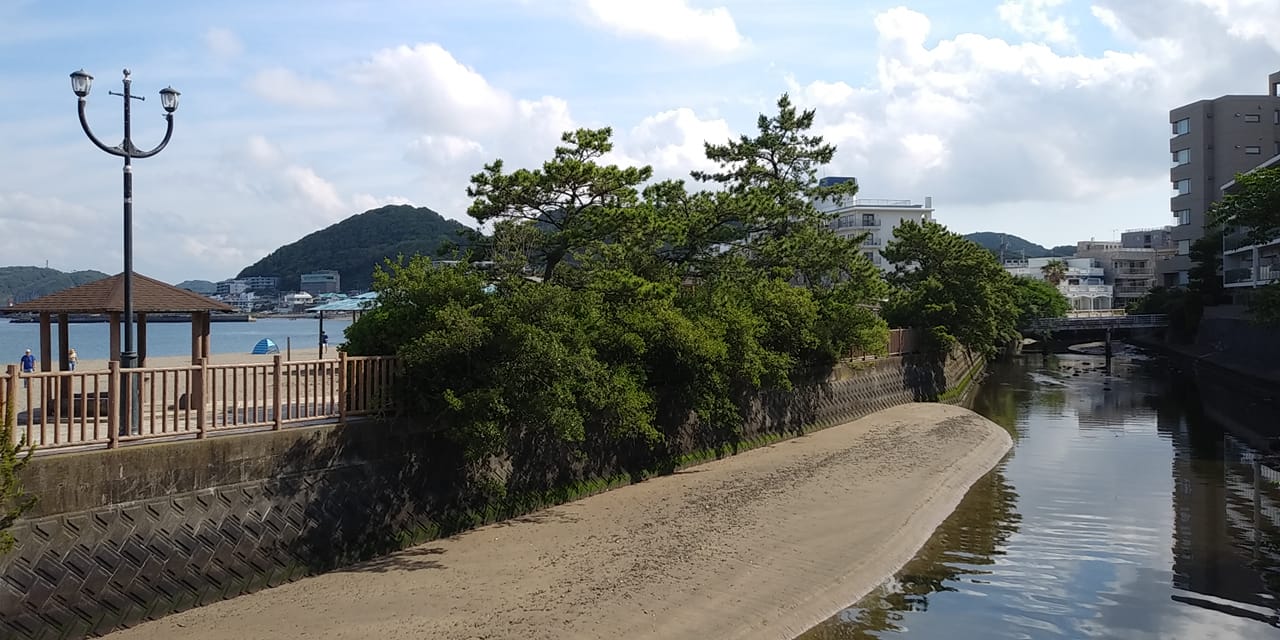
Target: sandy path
<point>761,545</point>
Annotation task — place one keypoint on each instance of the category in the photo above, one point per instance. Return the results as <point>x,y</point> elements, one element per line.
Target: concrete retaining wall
<point>131,534</point>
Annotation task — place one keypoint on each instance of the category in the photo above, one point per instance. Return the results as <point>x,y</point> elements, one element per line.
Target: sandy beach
<point>765,544</point>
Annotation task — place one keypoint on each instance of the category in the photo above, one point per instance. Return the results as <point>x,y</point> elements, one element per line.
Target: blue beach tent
<point>264,347</point>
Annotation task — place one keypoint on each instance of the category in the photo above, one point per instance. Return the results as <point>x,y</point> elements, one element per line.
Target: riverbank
<point>764,544</point>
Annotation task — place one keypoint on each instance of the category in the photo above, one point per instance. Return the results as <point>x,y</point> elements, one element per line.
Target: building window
<point>1184,278</point>
<point>1183,186</point>
<point>1182,126</point>
<point>1253,151</point>
<point>1252,117</point>
<point>1181,157</point>
<point>1277,117</point>
<point>1184,247</point>
<point>1183,216</point>
<point>868,219</point>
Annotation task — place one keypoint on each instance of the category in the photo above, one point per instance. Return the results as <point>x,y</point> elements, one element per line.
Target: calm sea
<point>174,339</point>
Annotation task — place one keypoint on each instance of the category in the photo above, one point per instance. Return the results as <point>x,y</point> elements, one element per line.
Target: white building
<point>1245,265</point>
<point>873,216</point>
<point>1084,284</point>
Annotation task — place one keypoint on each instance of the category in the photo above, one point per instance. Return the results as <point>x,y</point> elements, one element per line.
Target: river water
<point>1122,512</point>
<point>91,340</point>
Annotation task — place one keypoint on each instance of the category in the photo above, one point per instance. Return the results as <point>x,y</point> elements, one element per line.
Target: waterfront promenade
<point>764,544</point>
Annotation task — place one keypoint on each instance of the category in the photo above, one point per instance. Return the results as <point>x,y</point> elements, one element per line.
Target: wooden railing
<point>73,410</point>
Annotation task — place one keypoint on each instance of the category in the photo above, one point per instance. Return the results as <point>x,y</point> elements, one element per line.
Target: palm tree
<point>1055,271</point>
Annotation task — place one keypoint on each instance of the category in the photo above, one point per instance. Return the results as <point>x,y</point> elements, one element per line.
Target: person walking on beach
<point>72,358</point>
<point>28,362</point>
<point>324,344</point>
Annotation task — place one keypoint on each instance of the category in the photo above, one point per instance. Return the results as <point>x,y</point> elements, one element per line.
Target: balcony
<point>871,241</point>
<point>857,222</point>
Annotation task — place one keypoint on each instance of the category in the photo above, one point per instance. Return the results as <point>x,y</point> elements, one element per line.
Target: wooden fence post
<point>11,403</point>
<point>113,404</point>
<point>342,387</point>
<point>278,375</point>
<point>198,395</point>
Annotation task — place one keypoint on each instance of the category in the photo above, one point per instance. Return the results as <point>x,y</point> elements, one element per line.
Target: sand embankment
<point>761,545</point>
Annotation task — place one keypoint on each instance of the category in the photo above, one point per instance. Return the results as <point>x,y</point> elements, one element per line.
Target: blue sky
<point>1043,118</point>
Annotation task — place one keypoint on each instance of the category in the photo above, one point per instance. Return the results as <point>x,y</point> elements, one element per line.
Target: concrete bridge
<point>1101,325</point>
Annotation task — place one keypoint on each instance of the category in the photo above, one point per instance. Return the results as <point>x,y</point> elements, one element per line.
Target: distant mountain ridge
<point>353,247</point>
<point>1015,247</point>
<point>21,284</point>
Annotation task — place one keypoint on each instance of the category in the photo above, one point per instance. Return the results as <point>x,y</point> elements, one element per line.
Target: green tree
<point>572,200</point>
<point>13,459</point>
<point>1055,271</point>
<point>1265,305</point>
<point>951,288</point>
<point>1251,205</point>
<point>1038,299</point>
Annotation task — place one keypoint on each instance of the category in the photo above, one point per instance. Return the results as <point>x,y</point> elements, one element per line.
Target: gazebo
<point>106,296</point>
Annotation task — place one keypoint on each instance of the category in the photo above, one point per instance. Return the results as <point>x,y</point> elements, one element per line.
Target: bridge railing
<point>75,410</point>
<point>1142,321</point>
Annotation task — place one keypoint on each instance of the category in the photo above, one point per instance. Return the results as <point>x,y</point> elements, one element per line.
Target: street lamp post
<point>80,84</point>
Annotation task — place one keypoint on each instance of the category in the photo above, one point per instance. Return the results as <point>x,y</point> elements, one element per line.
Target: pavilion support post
<point>142,339</point>
<point>46,342</point>
<point>196,331</point>
<point>115,335</point>
<point>64,364</point>
<point>46,360</point>
<point>206,341</point>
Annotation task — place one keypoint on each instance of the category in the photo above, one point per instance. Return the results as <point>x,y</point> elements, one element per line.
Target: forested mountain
<point>21,284</point>
<point>356,245</point>
<point>1015,247</point>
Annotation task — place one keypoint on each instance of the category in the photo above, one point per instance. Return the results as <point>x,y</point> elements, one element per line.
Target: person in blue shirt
<point>28,365</point>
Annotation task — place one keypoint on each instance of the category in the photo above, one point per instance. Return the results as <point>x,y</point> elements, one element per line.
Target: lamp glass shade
<point>169,99</point>
<point>81,82</point>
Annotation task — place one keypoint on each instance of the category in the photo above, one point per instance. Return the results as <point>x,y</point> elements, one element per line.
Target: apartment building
<point>877,217</point>
<point>1212,141</point>
<point>1246,266</point>
<point>318,282</point>
<point>1131,271</point>
<point>1084,283</point>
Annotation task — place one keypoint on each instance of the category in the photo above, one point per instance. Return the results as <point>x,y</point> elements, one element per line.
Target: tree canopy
<point>950,288</point>
<point>1251,205</point>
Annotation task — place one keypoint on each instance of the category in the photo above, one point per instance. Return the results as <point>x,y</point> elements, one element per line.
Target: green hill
<point>356,245</point>
<point>21,284</point>
<point>1015,247</point>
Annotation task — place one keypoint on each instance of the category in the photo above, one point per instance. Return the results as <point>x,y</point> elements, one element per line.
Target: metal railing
<point>1110,320</point>
<point>73,410</point>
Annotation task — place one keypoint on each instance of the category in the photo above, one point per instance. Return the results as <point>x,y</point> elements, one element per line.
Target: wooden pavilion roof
<point>107,296</point>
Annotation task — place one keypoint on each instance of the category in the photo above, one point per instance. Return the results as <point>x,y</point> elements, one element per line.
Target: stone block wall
<point>126,535</point>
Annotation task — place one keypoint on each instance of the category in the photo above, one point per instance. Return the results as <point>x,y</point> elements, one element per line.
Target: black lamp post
<point>80,84</point>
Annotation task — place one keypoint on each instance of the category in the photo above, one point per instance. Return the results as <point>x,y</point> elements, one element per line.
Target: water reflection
<point>1121,513</point>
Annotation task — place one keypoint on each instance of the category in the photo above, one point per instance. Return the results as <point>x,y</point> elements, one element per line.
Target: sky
<point>1047,119</point>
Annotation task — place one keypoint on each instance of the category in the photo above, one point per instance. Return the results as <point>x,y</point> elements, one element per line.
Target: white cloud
<point>39,228</point>
<point>1032,19</point>
<point>433,91</point>
<point>671,21</point>
<point>672,142</point>
<point>285,87</point>
<point>270,173</point>
<point>977,120</point>
<point>223,43</point>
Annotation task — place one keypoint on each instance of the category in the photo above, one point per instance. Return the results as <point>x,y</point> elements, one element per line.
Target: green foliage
<point>1038,299</point>
<point>1055,271</point>
<point>950,288</point>
<point>573,202</point>
<point>1265,305</point>
<point>355,246</point>
<point>13,459</point>
<point>1252,205</point>
<point>27,283</point>
<point>643,334</point>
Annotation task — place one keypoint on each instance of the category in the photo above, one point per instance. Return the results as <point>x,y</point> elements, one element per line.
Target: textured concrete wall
<point>126,535</point>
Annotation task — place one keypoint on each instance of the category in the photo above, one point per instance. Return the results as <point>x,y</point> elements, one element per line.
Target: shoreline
<point>771,542</point>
